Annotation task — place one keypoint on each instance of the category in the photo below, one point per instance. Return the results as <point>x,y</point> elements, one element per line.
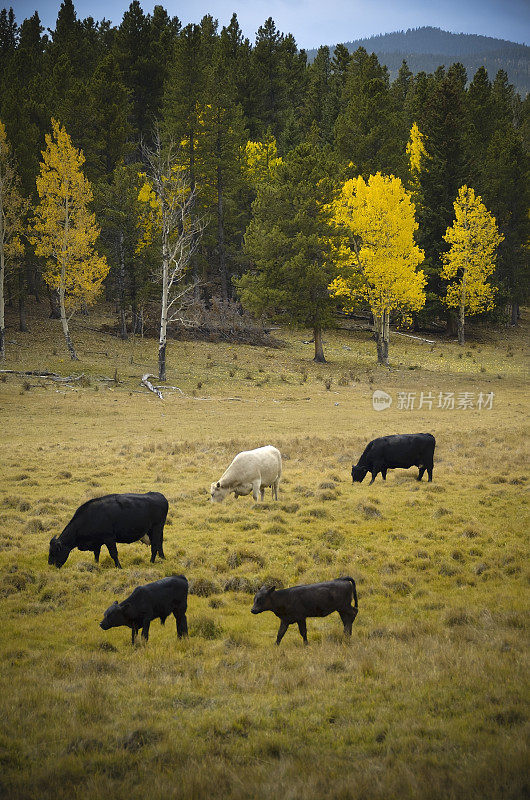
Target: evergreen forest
<point>261,141</point>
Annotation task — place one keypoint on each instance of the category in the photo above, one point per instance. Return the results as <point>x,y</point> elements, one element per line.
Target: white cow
<point>250,471</point>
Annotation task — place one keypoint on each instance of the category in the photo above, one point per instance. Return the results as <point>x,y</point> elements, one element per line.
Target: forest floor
<point>429,697</point>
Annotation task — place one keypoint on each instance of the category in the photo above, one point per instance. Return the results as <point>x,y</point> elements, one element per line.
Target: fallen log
<point>148,385</point>
<point>50,376</point>
<point>410,336</point>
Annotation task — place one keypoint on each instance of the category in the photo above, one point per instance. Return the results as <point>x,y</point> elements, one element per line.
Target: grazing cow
<point>390,452</point>
<point>250,471</point>
<point>313,600</point>
<point>155,600</point>
<point>111,519</point>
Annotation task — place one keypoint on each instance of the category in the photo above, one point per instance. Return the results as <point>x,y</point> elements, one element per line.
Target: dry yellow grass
<point>428,699</point>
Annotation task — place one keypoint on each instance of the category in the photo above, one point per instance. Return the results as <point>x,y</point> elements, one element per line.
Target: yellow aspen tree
<point>375,253</point>
<point>474,238</point>
<point>13,210</point>
<point>260,159</point>
<point>65,231</point>
<point>416,154</point>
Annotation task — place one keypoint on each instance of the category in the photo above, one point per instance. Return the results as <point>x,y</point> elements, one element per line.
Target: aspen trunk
<point>64,324</point>
<point>382,332</point>
<point>319,349</point>
<point>461,324</point>
<point>461,313</point>
<point>64,319</point>
<point>162,342</point>
<point>514,314</point>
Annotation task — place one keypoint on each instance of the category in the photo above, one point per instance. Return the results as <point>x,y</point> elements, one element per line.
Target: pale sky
<point>316,22</point>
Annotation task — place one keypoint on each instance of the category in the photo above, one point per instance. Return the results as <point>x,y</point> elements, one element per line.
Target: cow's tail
<point>347,578</point>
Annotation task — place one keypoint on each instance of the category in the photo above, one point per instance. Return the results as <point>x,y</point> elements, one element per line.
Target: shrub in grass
<point>206,628</point>
<point>203,587</point>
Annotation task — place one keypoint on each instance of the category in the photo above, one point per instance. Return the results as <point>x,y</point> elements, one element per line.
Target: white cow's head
<point>218,492</point>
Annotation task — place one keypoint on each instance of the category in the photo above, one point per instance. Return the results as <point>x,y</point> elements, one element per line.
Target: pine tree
<point>269,87</point>
<point>375,253</point>
<point>287,241</point>
<point>64,230</point>
<point>473,240</point>
<point>365,129</point>
<point>133,43</point>
<point>319,101</point>
<point>106,141</point>
<point>224,134</point>
<point>117,210</point>
<point>444,124</point>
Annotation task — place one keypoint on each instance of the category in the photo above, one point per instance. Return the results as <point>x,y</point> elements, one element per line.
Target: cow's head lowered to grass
<point>113,617</point>
<point>218,492</point>
<point>58,552</point>
<point>358,474</point>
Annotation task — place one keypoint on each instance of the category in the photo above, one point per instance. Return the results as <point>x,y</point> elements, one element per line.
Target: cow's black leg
<point>113,551</point>
<point>347,616</point>
<point>281,631</point>
<point>429,473</point>
<point>145,629</point>
<point>383,473</point>
<point>374,475</point>
<point>302,627</point>
<point>420,474</point>
<point>97,551</point>
<point>182,623</point>
<point>157,534</point>
<point>134,632</point>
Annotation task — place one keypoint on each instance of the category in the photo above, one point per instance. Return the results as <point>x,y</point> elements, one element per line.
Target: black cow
<point>312,600</point>
<point>390,452</point>
<point>111,519</point>
<point>155,600</point>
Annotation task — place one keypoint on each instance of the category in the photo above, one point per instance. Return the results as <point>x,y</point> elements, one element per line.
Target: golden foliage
<point>376,256</point>
<point>474,238</point>
<point>64,230</point>
<point>260,159</point>
<point>416,150</point>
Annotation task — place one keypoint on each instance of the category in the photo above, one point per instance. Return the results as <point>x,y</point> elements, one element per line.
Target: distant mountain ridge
<point>425,49</point>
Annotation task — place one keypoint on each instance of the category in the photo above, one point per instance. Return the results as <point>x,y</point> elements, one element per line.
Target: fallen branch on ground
<point>51,376</point>
<point>410,336</point>
<point>147,383</point>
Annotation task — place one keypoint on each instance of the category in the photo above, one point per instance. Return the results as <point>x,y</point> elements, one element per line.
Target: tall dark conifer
<point>446,169</point>
<point>365,129</point>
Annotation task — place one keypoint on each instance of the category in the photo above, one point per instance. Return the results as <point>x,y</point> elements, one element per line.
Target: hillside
<point>426,48</point>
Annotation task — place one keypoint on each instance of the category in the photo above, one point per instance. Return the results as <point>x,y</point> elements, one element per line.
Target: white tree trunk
<point>162,342</point>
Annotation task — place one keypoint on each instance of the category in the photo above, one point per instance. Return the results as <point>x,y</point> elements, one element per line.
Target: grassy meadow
<point>429,698</point>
